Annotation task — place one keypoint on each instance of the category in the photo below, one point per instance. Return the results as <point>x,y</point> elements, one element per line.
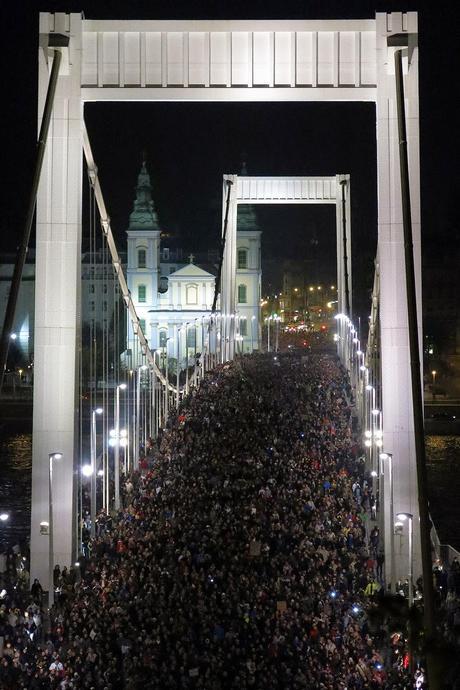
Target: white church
<point>174,300</point>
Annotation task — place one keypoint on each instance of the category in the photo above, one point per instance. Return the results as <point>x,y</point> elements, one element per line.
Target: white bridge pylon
<point>226,61</point>
<point>334,190</point>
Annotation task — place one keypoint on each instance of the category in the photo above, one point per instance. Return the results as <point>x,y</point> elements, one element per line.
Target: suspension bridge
<point>81,61</point>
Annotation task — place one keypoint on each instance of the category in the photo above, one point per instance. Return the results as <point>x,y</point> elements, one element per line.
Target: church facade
<point>174,305</point>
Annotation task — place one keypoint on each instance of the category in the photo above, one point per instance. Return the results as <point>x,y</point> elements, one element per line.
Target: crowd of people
<point>241,559</point>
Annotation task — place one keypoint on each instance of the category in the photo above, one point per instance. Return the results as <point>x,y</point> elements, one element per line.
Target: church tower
<point>143,265</point>
<point>248,274</point>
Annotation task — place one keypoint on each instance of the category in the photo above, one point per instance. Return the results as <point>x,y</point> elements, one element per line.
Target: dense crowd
<point>240,560</point>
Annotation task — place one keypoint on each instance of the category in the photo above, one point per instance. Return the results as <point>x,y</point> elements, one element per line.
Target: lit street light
<point>137,430</point>
<point>269,318</point>
<point>433,374</point>
<point>4,517</point>
<point>92,474</point>
<point>51,457</point>
<point>122,387</point>
<point>403,517</point>
<point>389,457</point>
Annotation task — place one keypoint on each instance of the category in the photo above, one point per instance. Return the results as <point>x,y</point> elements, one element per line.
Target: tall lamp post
<point>433,375</point>
<point>167,381</point>
<point>98,410</point>
<point>389,457</point>
<point>121,386</point>
<point>51,457</point>
<point>178,332</point>
<point>277,332</point>
<point>410,518</point>
<point>137,430</point>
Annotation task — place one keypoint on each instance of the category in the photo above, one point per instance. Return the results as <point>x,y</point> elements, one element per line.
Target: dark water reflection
<point>443,459</point>
<point>443,455</point>
<point>15,486</point>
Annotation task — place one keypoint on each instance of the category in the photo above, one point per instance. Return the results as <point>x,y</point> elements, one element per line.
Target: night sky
<point>190,146</point>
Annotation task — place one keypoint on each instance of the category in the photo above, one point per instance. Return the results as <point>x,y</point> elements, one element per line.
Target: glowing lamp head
<point>86,470</point>
<point>99,410</point>
<point>404,516</point>
<point>4,517</point>
<point>122,386</point>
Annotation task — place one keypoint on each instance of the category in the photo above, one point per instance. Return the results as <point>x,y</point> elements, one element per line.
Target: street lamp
<point>51,457</point>
<point>120,387</point>
<point>137,430</point>
<point>433,374</point>
<point>178,332</point>
<point>389,457</point>
<point>166,408</point>
<point>277,331</point>
<point>98,410</point>
<point>403,517</point>
<point>4,517</point>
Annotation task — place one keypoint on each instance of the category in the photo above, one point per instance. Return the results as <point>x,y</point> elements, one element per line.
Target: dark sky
<point>190,146</point>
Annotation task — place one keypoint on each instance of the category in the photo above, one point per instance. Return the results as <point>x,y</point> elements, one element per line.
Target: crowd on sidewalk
<point>240,559</point>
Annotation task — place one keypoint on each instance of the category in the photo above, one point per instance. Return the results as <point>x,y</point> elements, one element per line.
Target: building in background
<point>169,289</point>
<point>173,296</point>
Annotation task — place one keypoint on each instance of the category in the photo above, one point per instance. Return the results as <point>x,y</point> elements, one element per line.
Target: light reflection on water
<point>443,460</point>
<point>443,456</point>
<point>15,489</point>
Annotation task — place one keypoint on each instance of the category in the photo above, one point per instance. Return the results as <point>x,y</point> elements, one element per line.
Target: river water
<point>443,455</point>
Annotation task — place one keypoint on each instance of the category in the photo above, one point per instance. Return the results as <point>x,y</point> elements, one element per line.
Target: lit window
<point>141,293</point>
<point>243,327</point>
<point>242,258</point>
<point>141,258</point>
<point>242,294</point>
